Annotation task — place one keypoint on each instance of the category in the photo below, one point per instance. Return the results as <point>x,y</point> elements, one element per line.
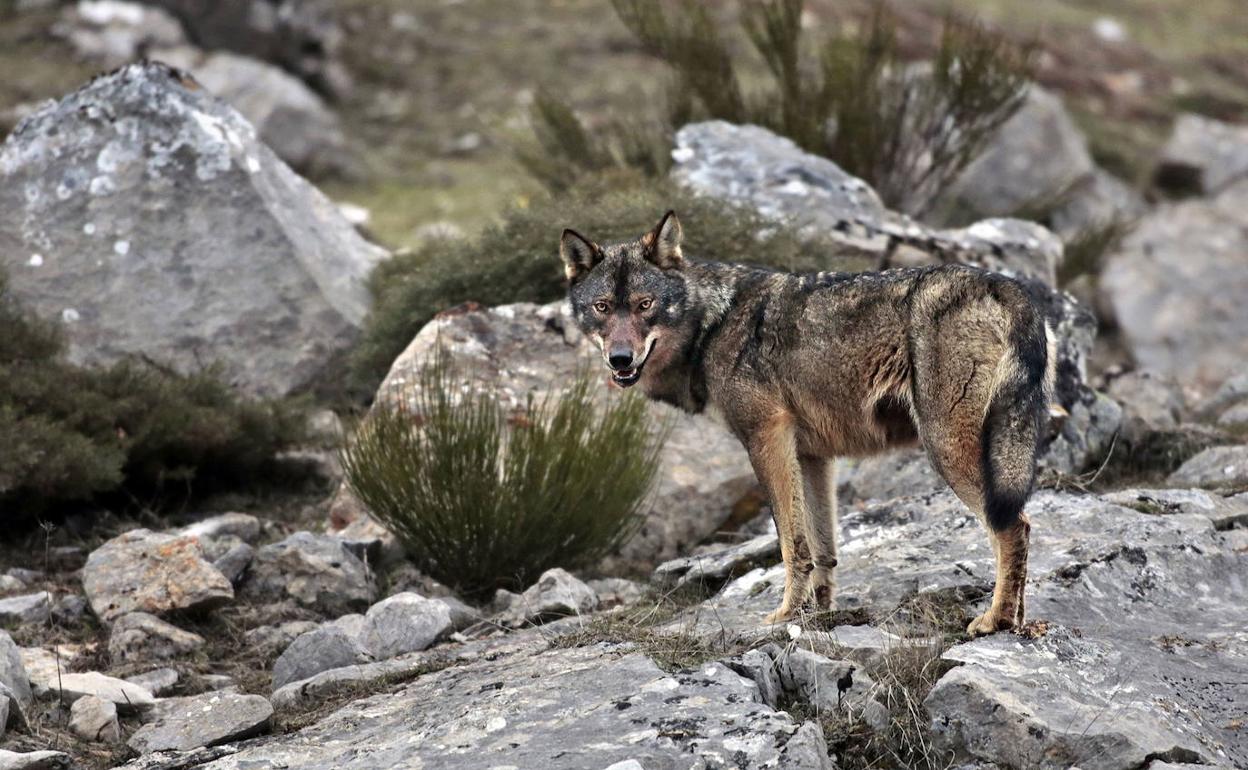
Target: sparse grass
<point>483,499</point>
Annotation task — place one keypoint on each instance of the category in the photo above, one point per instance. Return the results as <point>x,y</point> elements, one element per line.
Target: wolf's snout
<point>620,358</point>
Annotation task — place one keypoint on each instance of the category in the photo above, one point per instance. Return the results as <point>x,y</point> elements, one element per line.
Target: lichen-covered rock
<point>140,637</point>
<point>143,571</point>
<point>1182,316</point>
<point>526,350</point>
<point>182,724</point>
<point>1203,156</point>
<point>141,184</point>
<point>316,571</point>
<point>94,719</point>
<point>1214,468</point>
<point>406,622</point>
<point>558,709</point>
<point>321,649</point>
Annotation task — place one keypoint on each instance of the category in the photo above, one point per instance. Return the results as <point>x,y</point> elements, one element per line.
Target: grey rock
<point>1085,437</point>
<point>1097,201</point>
<point>749,165</point>
<point>759,666</point>
<point>28,608</point>
<point>94,719</point>
<point>140,184</point>
<point>555,594</point>
<point>219,682</point>
<point>830,686</point>
<point>140,637</point>
<point>15,693</point>
<point>1224,512</point>
<point>1215,467</point>
<point>234,562</point>
<point>27,576</point>
<point>1181,316</point>
<point>289,117</point>
<point>116,33</point>
<point>1150,401</point>
<point>70,610</point>
<point>870,645</point>
<point>301,36</point>
<point>11,585</point>
<point>883,477</point>
<point>590,709</point>
<point>316,571</point>
<point>615,591</point>
<point>243,526</point>
<point>142,571</point>
<point>158,682</point>
<point>35,760</point>
<point>1203,156</point>
<point>1233,391</point>
<point>525,350</point>
<point>711,570</point>
<point>320,649</point>
<point>1035,156</point>
<point>66,558</point>
<point>406,622</point>
<point>462,615</point>
<point>210,719</point>
<point>1235,419</point>
<point>69,687</point>
<point>273,639</point>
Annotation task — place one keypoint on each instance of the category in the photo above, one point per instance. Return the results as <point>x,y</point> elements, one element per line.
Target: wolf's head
<point>630,297</point>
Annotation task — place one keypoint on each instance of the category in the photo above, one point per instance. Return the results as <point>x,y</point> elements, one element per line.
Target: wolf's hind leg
<point>819,477</point>
<point>773,453</point>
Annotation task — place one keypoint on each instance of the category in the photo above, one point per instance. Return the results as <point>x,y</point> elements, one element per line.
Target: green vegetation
<point>906,131</point>
<point>74,433</point>
<point>517,260</point>
<point>485,499</point>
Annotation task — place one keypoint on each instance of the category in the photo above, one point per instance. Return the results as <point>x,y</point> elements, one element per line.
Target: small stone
<point>234,562</point>
<point>830,685</point>
<point>142,571</point>
<point>316,571</point>
<point>128,696</point>
<point>616,592</point>
<point>218,682</point>
<point>70,610</point>
<point>321,649</point>
<point>94,719</point>
<point>35,760</point>
<point>138,636</point>
<point>26,609</point>
<point>182,724</point>
<point>27,576</point>
<point>406,622</point>
<point>760,666</point>
<point>11,585</point>
<point>462,615</point>
<point>278,637</point>
<point>557,593</point>
<point>158,682</point>
<point>244,526</point>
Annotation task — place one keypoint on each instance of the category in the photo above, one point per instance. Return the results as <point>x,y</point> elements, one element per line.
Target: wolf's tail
<point>1014,417</point>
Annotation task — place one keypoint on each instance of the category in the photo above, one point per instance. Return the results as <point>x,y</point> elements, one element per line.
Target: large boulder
<point>1203,156</point>
<point>524,351</point>
<point>152,572</point>
<point>317,572</point>
<point>1175,287</point>
<point>1034,158</point>
<point>147,216</point>
<point>302,36</point>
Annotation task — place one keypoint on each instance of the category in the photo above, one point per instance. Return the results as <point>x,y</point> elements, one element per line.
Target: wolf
<point>805,368</point>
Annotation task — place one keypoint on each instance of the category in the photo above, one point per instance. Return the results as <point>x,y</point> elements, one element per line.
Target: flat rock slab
<point>182,724</point>
<point>558,709</point>
<point>128,696</point>
<point>712,570</point>
<point>1215,468</point>
<point>142,571</point>
<point>35,760</point>
<point>1224,512</point>
<point>28,608</point>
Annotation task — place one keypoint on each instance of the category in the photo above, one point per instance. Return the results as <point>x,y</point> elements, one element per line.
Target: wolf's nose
<point>618,360</point>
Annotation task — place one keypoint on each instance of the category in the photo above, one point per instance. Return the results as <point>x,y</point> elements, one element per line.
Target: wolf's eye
<point>601,307</point>
<point>645,304</point>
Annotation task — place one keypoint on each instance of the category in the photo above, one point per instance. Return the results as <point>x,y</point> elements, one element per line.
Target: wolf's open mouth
<point>627,377</point>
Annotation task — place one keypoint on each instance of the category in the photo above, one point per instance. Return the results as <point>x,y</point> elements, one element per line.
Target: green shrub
<point>484,499</point>
<point>852,98</point>
<point>517,260</point>
<point>72,433</point>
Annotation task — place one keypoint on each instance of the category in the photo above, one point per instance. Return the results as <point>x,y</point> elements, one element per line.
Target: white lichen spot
<point>495,724</point>
<point>682,154</point>
<point>102,185</point>
<point>253,165</point>
<point>666,684</point>
<point>69,315</point>
<point>63,192</point>
<point>36,260</point>
<point>89,228</point>
<point>795,631</point>
<point>121,248</point>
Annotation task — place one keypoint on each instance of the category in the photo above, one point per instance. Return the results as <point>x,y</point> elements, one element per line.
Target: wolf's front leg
<point>773,453</point>
<point>819,475</point>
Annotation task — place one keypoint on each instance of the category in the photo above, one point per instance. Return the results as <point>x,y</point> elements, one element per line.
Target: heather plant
<point>484,498</point>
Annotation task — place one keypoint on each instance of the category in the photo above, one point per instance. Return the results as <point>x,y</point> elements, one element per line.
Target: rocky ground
<point>261,633</point>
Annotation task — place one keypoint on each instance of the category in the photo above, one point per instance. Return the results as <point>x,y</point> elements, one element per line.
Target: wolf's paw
<point>988,623</point>
<point>782,614</point>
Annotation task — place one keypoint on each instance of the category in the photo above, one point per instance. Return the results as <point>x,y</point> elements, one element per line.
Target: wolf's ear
<point>579,254</point>
<point>663,243</point>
